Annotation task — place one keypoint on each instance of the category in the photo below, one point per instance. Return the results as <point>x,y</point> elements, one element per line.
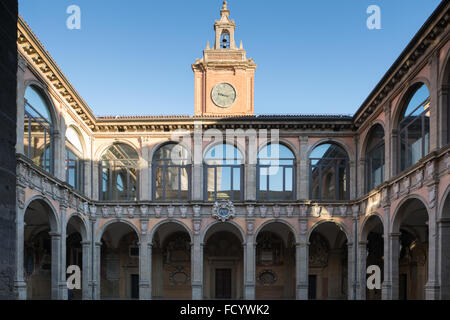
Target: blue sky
<point>314,57</point>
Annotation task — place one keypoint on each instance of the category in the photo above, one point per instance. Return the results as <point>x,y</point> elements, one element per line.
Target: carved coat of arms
<point>223,210</point>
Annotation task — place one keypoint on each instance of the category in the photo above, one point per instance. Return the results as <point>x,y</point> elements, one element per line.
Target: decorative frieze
<point>250,211</point>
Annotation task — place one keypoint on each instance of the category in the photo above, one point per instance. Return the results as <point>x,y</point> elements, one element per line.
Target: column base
<point>197,292</point>
<point>21,289</point>
<point>432,290</point>
<point>302,292</point>
<point>386,291</point>
<point>145,291</point>
<point>249,293</point>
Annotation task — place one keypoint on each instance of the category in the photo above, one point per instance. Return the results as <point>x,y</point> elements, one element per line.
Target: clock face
<point>223,95</point>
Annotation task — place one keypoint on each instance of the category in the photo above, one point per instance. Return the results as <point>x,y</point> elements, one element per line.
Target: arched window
<point>414,127</point>
<point>329,173</point>
<point>223,173</point>
<point>38,129</point>
<point>276,173</point>
<point>375,158</point>
<point>118,171</point>
<point>74,160</point>
<point>171,173</point>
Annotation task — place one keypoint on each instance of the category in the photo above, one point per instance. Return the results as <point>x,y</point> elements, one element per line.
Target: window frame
<point>232,167</point>
<point>164,167</point>
<point>404,161</point>
<point>260,166</point>
<point>50,129</point>
<point>336,168</point>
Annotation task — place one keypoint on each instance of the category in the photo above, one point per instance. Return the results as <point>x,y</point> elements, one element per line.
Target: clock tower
<point>224,77</point>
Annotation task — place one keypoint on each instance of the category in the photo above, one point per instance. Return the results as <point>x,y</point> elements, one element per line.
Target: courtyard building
<point>226,204</point>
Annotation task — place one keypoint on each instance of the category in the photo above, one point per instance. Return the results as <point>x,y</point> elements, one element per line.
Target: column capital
<point>54,234</point>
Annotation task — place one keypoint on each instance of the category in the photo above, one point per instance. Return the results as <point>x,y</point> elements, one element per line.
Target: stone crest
<point>223,210</point>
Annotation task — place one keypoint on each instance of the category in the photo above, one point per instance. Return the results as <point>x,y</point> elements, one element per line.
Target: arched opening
<point>414,126</point>
<point>328,261</point>
<point>171,263</point>
<point>119,264</point>
<point>375,158</point>
<point>412,223</point>
<point>329,173</point>
<point>74,160</point>
<point>372,236</point>
<point>38,251</point>
<point>38,129</point>
<point>276,173</point>
<point>275,262</point>
<point>444,236</point>
<point>225,40</point>
<point>76,253</point>
<point>171,167</point>
<point>223,263</point>
<point>223,173</point>
<point>119,173</point>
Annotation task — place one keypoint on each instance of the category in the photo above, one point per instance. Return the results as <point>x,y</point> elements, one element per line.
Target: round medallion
<point>223,95</point>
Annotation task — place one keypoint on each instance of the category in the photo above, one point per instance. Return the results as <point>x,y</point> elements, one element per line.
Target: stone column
<point>197,268</point>
<point>394,239</point>
<point>353,189</point>
<point>362,179</point>
<point>86,270</point>
<point>394,156</point>
<point>387,143</point>
<point>20,101</point>
<point>443,100</point>
<point>56,264</point>
<point>362,261</point>
<point>303,170</point>
<point>352,286</point>
<point>145,268</point>
<point>249,265</point>
<point>386,286</point>
<point>302,268</point>
<point>250,168</point>
<point>96,279</point>
<point>444,257</point>
<point>432,286</point>
<point>19,282</point>
<point>145,176</point>
<point>63,290</point>
<point>434,103</point>
<point>197,165</point>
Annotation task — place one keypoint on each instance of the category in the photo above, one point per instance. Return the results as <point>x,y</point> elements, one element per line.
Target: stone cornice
<point>34,52</point>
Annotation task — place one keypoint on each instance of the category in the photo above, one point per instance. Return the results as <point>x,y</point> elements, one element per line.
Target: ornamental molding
<point>267,277</point>
<point>223,210</point>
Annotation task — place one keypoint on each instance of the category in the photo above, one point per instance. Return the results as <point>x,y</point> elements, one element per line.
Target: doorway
<point>223,283</point>
<point>135,286</point>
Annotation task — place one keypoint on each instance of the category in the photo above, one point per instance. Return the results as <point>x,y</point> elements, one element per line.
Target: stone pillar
<point>352,286</point>
<point>249,266</point>
<point>86,270</point>
<point>197,166</point>
<point>96,279</point>
<point>443,101</point>
<point>387,143</point>
<point>303,170</point>
<point>362,179</point>
<point>56,264</point>
<point>444,257</point>
<point>22,66</point>
<point>394,159</point>
<point>386,286</point>
<point>432,286</point>
<point>63,290</point>
<point>362,261</point>
<point>353,188</point>
<point>302,268</point>
<point>145,176</point>
<point>250,168</point>
<point>434,103</point>
<point>145,268</point>
<point>19,282</point>
<point>197,268</point>
<point>394,239</point>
